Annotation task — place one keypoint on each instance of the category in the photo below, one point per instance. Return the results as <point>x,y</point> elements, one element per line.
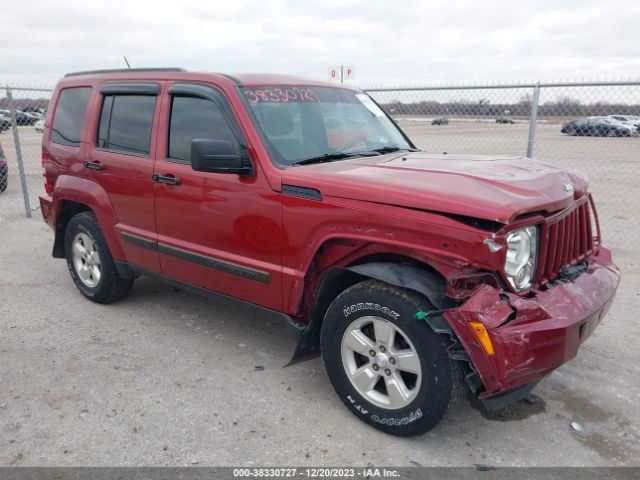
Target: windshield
<point>302,123</point>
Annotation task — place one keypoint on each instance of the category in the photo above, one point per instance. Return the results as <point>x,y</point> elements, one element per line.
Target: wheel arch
<point>67,210</point>
<point>73,195</point>
<point>394,269</point>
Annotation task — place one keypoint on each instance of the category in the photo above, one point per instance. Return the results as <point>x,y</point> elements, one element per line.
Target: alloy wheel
<point>381,362</point>
<point>86,259</point>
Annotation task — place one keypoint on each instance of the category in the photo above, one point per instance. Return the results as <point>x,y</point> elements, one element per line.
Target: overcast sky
<point>390,43</point>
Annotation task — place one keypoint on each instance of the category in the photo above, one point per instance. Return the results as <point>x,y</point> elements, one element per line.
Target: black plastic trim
<point>127,88</point>
<point>139,241</point>
<point>204,260</point>
<point>332,282</point>
<point>216,263</point>
<point>124,70</point>
<point>195,90</point>
<point>435,319</point>
<point>510,396</point>
<point>420,280</point>
<point>302,192</point>
<point>128,270</point>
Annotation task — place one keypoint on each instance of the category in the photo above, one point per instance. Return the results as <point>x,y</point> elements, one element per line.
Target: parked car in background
<point>4,171</point>
<point>440,121</point>
<point>36,115</point>
<point>40,125</point>
<point>575,127</point>
<point>5,123</point>
<point>35,112</point>
<point>504,119</point>
<point>7,115</point>
<point>627,119</point>
<point>22,118</point>
<point>598,127</point>
<point>25,119</point>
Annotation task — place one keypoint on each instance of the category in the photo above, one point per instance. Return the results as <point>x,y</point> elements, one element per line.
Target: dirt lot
<point>168,378</point>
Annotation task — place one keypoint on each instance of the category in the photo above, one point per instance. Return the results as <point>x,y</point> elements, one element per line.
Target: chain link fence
<point>536,119</point>
<point>22,112</point>
<point>590,127</point>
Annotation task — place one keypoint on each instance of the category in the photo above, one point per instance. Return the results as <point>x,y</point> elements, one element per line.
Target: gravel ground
<point>167,378</point>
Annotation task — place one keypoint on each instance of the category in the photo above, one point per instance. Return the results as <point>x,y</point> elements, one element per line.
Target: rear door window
<point>126,122</point>
<point>69,116</point>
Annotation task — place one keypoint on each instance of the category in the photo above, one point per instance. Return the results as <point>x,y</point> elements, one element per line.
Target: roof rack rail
<point>124,70</point>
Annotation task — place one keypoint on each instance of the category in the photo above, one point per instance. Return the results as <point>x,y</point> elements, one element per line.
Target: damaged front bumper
<point>530,336</point>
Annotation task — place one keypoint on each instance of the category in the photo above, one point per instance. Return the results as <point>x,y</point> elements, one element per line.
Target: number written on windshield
<point>278,95</point>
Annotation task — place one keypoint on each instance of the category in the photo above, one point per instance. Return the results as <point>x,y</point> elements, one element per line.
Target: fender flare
<point>91,194</point>
<point>420,280</point>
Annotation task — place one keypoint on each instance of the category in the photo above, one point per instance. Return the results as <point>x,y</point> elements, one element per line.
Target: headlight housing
<point>522,254</point>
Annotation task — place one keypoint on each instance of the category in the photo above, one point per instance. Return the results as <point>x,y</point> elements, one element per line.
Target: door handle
<point>95,165</point>
<point>166,179</point>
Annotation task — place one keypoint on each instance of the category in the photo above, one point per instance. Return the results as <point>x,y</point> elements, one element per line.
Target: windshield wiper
<point>390,149</point>
<point>329,157</point>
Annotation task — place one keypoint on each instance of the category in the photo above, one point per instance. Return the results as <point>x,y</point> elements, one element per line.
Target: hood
<point>486,187</point>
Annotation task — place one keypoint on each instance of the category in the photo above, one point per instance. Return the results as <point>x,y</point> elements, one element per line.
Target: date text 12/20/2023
<point>316,472</point>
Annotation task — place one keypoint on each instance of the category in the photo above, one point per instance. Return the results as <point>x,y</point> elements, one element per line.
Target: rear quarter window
<point>69,116</point>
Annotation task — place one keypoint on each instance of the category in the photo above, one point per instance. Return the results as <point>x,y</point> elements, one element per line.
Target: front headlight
<point>522,251</point>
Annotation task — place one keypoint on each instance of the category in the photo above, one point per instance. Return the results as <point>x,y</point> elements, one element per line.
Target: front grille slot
<point>568,239</point>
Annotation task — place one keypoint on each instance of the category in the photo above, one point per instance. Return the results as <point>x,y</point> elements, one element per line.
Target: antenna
<point>127,62</point>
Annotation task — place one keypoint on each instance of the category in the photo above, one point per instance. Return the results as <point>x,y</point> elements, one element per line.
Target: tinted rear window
<point>125,123</point>
<point>69,116</point>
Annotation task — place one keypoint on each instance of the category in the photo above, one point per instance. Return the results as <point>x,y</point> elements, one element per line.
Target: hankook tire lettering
<point>413,416</point>
<point>370,306</point>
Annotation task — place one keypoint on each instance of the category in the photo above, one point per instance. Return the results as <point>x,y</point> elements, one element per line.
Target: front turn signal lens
<point>483,337</point>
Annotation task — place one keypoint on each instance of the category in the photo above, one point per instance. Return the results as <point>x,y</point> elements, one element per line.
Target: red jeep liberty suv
<point>412,273</point>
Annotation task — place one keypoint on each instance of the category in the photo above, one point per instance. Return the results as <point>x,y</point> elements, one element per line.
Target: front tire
<point>389,368</point>
<point>90,262</point>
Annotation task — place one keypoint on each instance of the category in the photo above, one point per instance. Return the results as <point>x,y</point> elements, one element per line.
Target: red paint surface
<point>397,204</point>
<point>546,332</point>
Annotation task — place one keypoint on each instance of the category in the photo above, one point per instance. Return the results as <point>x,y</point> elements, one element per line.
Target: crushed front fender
<point>533,335</point>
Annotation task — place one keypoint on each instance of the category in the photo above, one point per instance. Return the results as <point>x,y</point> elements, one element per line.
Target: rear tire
<point>389,368</point>
<point>90,262</point>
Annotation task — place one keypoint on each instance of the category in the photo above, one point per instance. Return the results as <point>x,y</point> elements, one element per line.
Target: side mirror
<point>219,156</point>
